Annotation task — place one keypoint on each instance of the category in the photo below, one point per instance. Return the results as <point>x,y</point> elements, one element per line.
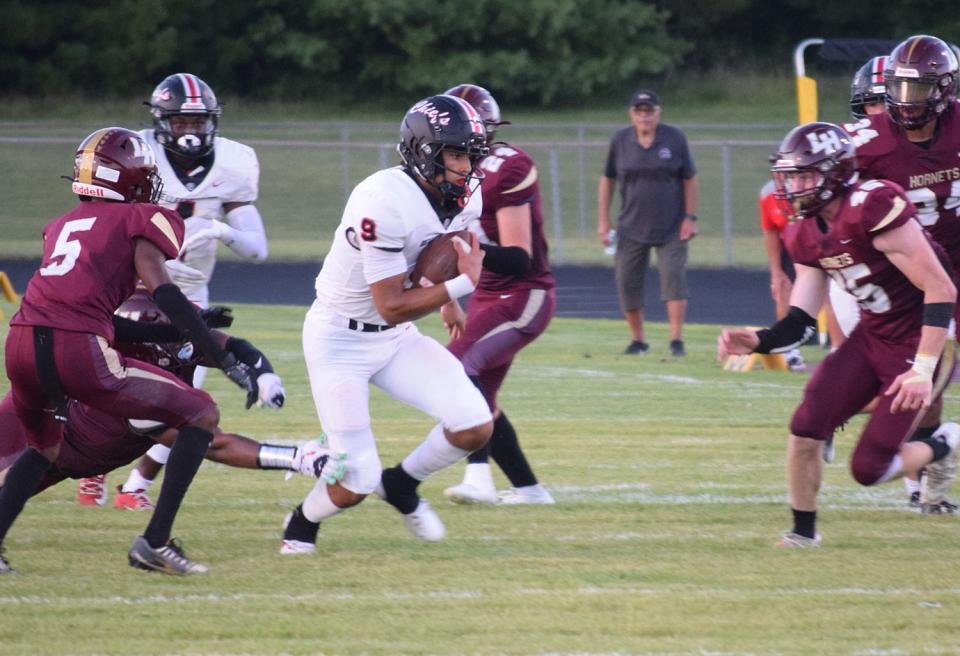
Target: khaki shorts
<point>631,263</point>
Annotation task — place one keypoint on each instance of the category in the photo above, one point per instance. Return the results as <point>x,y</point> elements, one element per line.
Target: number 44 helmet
<point>116,164</point>
<point>435,124</point>
<point>814,164</point>
<point>183,94</point>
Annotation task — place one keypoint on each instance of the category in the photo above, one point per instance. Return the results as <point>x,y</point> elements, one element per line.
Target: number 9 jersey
<point>930,173</point>
<point>387,221</point>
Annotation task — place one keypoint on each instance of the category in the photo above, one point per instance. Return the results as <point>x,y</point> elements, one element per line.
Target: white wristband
<point>925,365</point>
<point>459,286</point>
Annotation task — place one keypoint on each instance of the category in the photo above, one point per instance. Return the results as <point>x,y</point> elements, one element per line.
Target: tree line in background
<point>534,52</point>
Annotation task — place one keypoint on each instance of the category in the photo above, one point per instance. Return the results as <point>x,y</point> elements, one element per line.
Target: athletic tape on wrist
<point>459,286</point>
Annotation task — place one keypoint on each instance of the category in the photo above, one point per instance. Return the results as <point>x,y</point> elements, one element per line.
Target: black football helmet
<point>116,164</point>
<point>183,94</point>
<point>814,164</point>
<point>433,125</point>
<point>921,81</point>
<point>485,104</point>
<point>867,86</point>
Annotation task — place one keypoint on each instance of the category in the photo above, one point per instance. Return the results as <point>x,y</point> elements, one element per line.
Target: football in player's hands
<point>437,262</point>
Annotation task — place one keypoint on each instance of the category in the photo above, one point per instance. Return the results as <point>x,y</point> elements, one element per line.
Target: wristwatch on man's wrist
<point>690,215</point>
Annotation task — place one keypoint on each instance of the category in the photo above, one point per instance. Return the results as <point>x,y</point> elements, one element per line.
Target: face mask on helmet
<point>185,115</point>
<point>815,163</point>
<point>920,80</point>
<point>116,164</point>
<point>867,87</point>
<point>435,125</point>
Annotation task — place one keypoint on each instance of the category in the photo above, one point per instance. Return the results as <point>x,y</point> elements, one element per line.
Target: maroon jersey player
<point>512,306</point>
<point>96,442</point>
<point>866,237</point>
<point>916,143</point>
<point>59,344</point>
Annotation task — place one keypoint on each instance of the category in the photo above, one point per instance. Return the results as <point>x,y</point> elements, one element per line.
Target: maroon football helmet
<point>921,81</point>
<point>179,358</point>
<point>485,104</point>
<point>814,164</point>
<point>116,164</point>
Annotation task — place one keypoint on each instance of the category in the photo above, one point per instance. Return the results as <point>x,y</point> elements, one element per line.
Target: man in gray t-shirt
<point>658,191</point>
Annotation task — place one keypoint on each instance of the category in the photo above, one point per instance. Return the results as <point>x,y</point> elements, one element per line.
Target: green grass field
<point>669,479</point>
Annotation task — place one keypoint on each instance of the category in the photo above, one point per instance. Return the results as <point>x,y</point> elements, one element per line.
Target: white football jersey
<point>234,178</point>
<point>386,223</point>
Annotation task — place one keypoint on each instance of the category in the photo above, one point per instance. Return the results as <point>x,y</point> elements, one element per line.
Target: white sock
<point>911,485</point>
<point>318,505</point>
<point>136,482</point>
<point>894,470</point>
<point>479,475</point>
<point>433,454</point>
<point>159,453</point>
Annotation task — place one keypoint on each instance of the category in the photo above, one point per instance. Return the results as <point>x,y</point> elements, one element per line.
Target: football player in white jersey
<point>359,332</point>
<point>206,178</point>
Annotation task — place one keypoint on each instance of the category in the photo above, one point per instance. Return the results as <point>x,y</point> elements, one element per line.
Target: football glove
<point>239,373</point>
<point>270,391</point>
<point>217,230</point>
<point>184,276</point>
<point>217,316</point>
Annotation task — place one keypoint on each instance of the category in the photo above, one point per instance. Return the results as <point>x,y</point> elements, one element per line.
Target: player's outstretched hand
<point>215,230</point>
<point>910,391</point>
<point>270,391</point>
<point>736,341</point>
<point>217,316</point>
<point>469,258</point>
<point>240,374</point>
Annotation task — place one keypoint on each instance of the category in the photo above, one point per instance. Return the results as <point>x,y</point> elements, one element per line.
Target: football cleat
<point>942,508</point>
<point>168,559</point>
<point>425,524</point>
<point>940,475</point>
<point>914,502</point>
<point>299,533</point>
<point>92,491</point>
<point>466,494</point>
<point>637,348</point>
<point>792,540</point>
<point>314,459</point>
<point>528,495</point>
<point>136,500</point>
<point>5,564</point>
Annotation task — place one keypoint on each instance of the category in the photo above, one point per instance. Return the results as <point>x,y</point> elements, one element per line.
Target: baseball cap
<point>645,97</point>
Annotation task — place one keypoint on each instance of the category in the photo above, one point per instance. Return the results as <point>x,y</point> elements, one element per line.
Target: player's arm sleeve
<point>184,315</point>
<point>788,333</point>
<point>136,332</point>
<point>506,260</point>
<point>244,233</point>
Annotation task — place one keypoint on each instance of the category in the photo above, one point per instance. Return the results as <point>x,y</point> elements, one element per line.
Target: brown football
<point>437,262</point>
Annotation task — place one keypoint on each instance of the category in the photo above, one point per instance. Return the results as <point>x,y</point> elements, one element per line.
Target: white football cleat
<point>941,475</point>
<point>791,540</point>
<point>530,494</point>
<point>425,524</point>
<point>466,494</point>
